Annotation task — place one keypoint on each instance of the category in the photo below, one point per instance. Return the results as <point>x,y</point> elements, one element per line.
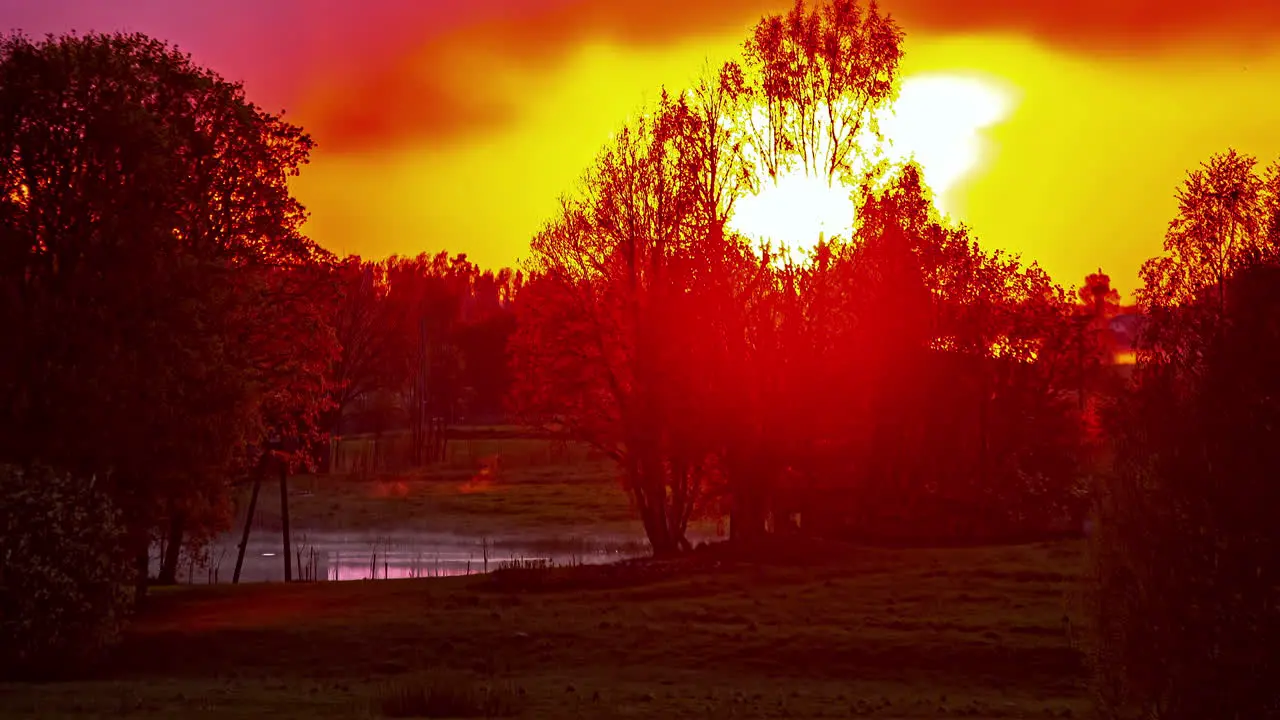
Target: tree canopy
<point>154,276</point>
<point>722,376</point>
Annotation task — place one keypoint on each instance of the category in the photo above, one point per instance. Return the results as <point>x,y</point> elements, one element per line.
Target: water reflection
<point>402,564</point>
<point>341,557</point>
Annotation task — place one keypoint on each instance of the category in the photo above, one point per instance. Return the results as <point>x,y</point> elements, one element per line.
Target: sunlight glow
<point>795,211</point>
<point>938,120</point>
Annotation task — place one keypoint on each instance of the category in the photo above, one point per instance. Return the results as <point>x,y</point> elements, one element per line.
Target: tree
<point>362,363</point>
<point>804,97</point>
<point>146,214</point>
<point>1185,554</point>
<point>1226,218</point>
<point>1094,345</point>
<point>426,299</point>
<point>816,78</point>
<point>739,334</point>
<point>937,388</point>
<point>709,367</point>
<point>609,276</point>
<point>482,343</point>
<point>1185,559</point>
<point>1099,303</point>
<point>714,144</point>
<point>1097,295</point>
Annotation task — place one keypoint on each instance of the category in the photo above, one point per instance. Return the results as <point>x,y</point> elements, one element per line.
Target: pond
<point>332,555</point>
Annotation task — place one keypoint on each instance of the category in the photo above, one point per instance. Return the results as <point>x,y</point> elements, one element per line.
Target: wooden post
<point>248,523</point>
<point>284,519</point>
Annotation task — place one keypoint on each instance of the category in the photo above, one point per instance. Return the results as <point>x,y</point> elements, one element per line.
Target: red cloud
<point>432,90</point>
<point>421,94</point>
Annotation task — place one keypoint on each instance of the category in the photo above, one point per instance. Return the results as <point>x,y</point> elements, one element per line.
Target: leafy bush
<point>61,566</point>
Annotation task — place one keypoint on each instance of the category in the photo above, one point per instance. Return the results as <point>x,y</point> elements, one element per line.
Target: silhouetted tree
<point>146,215</point>
<point>709,367</point>
<point>365,363</point>
<point>1096,294</point>
<point>427,296</point>
<point>1185,556</point>
<point>423,340</point>
<point>941,383</point>
<point>1186,552</point>
<point>1226,212</point>
<point>592,351</point>
<point>482,344</point>
<point>816,77</point>
<point>803,98</point>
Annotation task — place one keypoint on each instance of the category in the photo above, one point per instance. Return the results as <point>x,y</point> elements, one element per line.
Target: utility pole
<point>248,521</point>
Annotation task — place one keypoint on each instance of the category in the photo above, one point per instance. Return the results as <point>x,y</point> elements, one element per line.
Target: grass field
<point>818,631</point>
<point>484,487</point>
<point>856,632</point>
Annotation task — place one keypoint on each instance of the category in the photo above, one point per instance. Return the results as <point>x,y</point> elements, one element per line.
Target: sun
<point>938,119</point>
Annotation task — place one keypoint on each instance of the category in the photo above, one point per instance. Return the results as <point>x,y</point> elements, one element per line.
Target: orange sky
<point>447,125</point>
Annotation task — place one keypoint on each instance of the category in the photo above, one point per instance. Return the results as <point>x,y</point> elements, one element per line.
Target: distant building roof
<point>1126,328</point>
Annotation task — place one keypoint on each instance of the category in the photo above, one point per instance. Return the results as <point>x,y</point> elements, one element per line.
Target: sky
<point>1058,130</point>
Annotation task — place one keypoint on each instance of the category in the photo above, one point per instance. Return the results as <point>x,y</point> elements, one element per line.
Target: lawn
<point>840,632</point>
<point>486,487</point>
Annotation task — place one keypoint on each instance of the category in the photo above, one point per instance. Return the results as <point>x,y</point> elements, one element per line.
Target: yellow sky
<point>1081,173</point>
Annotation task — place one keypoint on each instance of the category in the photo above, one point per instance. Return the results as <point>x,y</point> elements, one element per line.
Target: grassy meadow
<point>826,632</point>
<point>486,486</point>
<point>820,630</point>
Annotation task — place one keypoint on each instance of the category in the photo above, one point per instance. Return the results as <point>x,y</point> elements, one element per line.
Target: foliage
<point>1185,560</point>
<point>360,322</point>
<point>816,76</point>
<point>652,332</point>
<point>612,277</point>
<point>146,215</point>
<point>427,332</point>
<point>1228,219</point>
<point>61,601</point>
<point>899,368</point>
<point>938,384</point>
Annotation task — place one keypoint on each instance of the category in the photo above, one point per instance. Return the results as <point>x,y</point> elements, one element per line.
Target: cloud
<point>438,88</point>
<point>422,94</point>
<point>1108,27</point>
<point>370,74</point>
<point>445,88</point>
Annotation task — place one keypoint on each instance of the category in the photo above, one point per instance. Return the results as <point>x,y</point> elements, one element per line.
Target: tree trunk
<point>142,567</point>
<point>655,525</point>
<point>747,506</point>
<point>173,551</point>
<point>748,521</point>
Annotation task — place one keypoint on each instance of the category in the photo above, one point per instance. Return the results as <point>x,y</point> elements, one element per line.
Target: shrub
<point>61,564</point>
